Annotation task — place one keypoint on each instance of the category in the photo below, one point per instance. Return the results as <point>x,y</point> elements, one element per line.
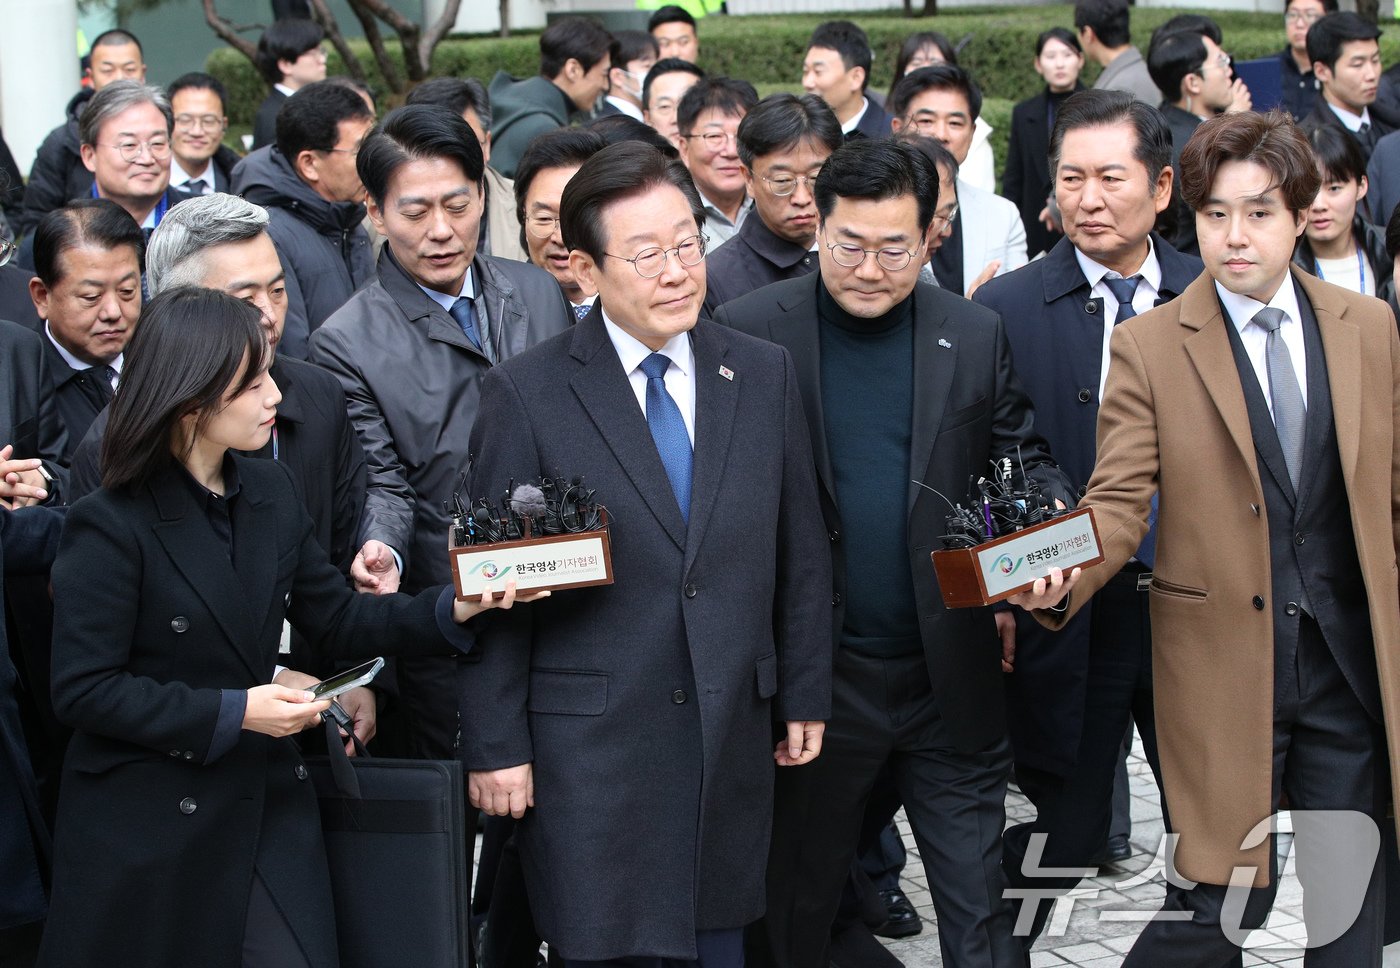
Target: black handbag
<point>395,833</point>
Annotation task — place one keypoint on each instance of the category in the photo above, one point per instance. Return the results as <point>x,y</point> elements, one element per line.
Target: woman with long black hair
<point>187,832</point>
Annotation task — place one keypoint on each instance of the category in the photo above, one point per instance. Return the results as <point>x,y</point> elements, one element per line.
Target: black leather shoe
<point>903,921</point>
<point>1114,852</point>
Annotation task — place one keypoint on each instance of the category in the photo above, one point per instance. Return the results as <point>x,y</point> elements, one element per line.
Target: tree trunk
<point>505,17</point>
<point>930,8</point>
<point>1369,9</point>
<point>323,16</point>
<point>387,68</point>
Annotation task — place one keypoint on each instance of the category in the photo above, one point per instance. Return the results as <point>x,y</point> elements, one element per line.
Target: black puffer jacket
<point>323,245</point>
<point>58,175</point>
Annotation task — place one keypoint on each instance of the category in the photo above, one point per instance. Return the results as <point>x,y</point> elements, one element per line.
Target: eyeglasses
<point>949,218</point>
<point>159,149</point>
<point>651,262</point>
<point>7,251</point>
<point>1302,17</point>
<point>851,256</point>
<point>542,226</point>
<point>929,126</point>
<point>352,152</point>
<point>785,185</point>
<point>191,121</point>
<point>715,140</point>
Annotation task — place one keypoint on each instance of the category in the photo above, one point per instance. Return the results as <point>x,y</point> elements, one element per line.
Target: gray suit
<point>1128,72</point>
<point>411,381</point>
<point>646,706</point>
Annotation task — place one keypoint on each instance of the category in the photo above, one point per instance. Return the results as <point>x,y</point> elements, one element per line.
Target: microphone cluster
<point>550,506</point>
<point>997,506</point>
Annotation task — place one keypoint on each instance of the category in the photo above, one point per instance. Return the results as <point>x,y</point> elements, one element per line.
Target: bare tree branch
<point>223,27</point>
<point>375,39</point>
<point>435,33</point>
<point>326,19</point>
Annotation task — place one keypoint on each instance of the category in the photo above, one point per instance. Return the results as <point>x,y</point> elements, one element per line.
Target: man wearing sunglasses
<point>908,390</point>
<point>783,143</point>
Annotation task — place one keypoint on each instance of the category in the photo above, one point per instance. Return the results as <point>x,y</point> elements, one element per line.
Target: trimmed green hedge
<point>768,50</point>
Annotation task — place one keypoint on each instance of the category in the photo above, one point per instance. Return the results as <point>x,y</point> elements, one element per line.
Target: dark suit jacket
<point>752,259</point>
<point>875,123</point>
<point>1026,180</point>
<point>265,121</point>
<point>29,415</point>
<point>1056,337</point>
<point>1322,115</point>
<point>28,541</point>
<point>77,405</point>
<point>154,621</point>
<point>648,704</point>
<point>1183,125</point>
<point>969,408</point>
<point>15,304</point>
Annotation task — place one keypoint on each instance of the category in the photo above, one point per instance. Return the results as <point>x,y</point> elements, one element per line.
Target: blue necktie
<point>668,430</point>
<point>580,312</point>
<point>465,313</point>
<point>1123,290</point>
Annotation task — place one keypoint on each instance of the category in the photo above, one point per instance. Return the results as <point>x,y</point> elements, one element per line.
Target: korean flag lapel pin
<point>727,373</point>
<point>945,344</point>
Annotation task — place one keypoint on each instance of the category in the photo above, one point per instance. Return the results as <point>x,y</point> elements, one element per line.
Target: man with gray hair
<point>220,242</point>
<point>124,138</point>
<point>500,228</point>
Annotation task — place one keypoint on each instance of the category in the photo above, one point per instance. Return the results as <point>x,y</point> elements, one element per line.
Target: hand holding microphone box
<point>1006,537</point>
<point>551,534</point>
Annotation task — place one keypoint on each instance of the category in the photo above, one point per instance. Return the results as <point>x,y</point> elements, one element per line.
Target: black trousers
<point>884,712</point>
<point>716,949</point>
<point>1074,812</point>
<point>1329,755</point>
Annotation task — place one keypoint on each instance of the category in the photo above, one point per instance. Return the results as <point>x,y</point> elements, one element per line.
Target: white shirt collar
<point>178,175</point>
<point>850,125</point>
<point>1353,122</point>
<point>1094,272</point>
<point>1243,308</point>
<point>72,360</point>
<point>446,301</point>
<point>632,351</point>
<point>626,107</point>
<point>284,89</point>
<point>586,302</point>
<point>711,209</point>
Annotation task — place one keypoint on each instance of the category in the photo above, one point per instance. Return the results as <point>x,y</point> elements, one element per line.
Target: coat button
<point>1290,609</point>
<point>188,806</point>
<point>179,624</point>
<point>1299,538</point>
<point>1091,307</point>
<point>175,753</point>
<point>1085,395</point>
<point>836,599</point>
<point>300,771</point>
<point>189,754</point>
<point>678,696</point>
<point>1259,602</point>
<point>835,536</point>
<point>1083,489</point>
<point>1255,509</point>
<point>690,590</point>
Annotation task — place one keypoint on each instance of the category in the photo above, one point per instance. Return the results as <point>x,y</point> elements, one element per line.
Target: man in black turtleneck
<point>907,390</point>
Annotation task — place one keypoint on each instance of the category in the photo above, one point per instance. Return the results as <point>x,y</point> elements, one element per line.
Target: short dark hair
<point>1328,6</point>
<point>1271,141</point>
<point>1172,58</point>
<point>456,94</point>
<point>616,128</point>
<point>561,148</point>
<point>1107,18</point>
<point>1331,33</point>
<point>1063,34</point>
<point>285,40</point>
<point>781,122</point>
<point>616,173</point>
<point>630,45</point>
<point>116,37</point>
<point>1191,23</point>
<point>939,77</point>
<point>849,41</point>
<point>98,223</point>
<point>198,81</point>
<point>727,95</point>
<point>311,120</point>
<point>1392,234</point>
<point>1337,153</point>
<point>917,42</point>
<point>411,133</point>
<point>671,14</point>
<point>189,347</point>
<point>877,169</point>
<point>933,150</point>
<point>572,38</point>
<point>1102,109</point>
<point>667,65</point>
<point>362,89</point>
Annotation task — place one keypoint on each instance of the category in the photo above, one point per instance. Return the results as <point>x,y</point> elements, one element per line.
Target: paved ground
<point>1107,913</point>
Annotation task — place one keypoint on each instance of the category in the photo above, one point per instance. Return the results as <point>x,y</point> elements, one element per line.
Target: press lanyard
<point>1360,268</point>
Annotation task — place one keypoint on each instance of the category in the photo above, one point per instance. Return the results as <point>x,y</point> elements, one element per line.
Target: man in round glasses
<point>546,167</point>
<point>707,119</point>
<point>908,391</point>
<point>636,722</point>
<point>1299,85</point>
<point>783,143</point>
<point>202,164</point>
<point>125,143</point>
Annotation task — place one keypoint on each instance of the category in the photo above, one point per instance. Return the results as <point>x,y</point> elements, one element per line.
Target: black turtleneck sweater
<point>867,380</point>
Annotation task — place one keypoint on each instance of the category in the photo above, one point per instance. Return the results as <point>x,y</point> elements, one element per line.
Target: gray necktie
<point>1289,411</point>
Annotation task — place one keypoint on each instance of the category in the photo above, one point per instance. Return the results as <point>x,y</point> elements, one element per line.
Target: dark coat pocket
<point>568,693</point>
<point>766,669</point>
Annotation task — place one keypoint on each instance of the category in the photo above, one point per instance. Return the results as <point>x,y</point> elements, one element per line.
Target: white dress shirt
<point>680,375</point>
<point>626,107</point>
<point>850,125</point>
<point>1256,337</point>
<point>1148,288</point>
<point>179,178</point>
<point>1353,122</point>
